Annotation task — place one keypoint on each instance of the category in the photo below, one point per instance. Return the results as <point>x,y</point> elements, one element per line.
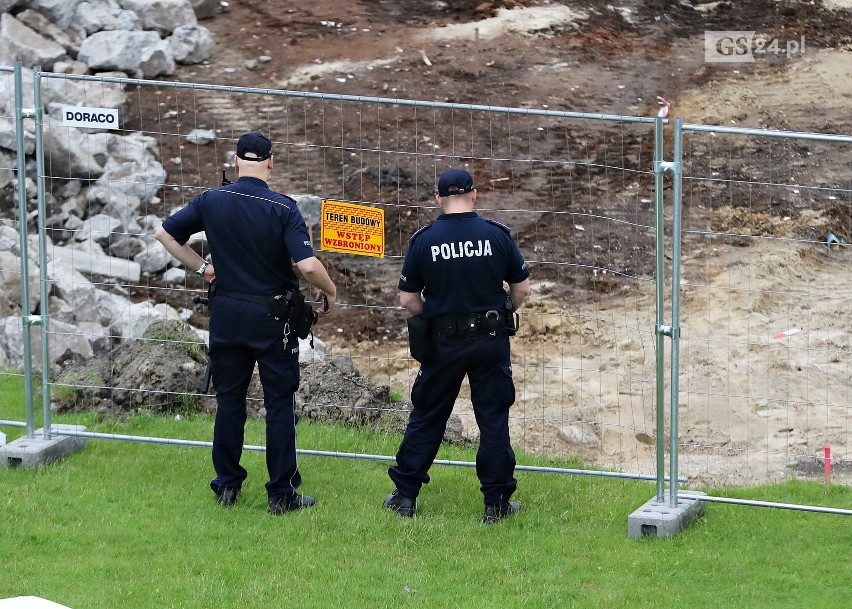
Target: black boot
<point>496,513</point>
<point>289,504</point>
<point>227,496</point>
<point>403,506</point>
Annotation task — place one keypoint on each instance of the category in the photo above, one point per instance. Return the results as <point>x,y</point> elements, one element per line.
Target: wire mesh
<point>576,189</point>
<point>10,226</point>
<point>765,359</point>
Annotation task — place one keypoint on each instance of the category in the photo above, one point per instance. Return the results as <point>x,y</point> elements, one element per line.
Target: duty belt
<point>258,298</point>
<point>467,325</point>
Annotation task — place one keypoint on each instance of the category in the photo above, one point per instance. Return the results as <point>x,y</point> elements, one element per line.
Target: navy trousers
<point>486,363</point>
<point>243,333</point>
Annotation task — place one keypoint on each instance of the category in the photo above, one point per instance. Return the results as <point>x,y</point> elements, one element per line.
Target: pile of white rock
<point>91,256</point>
<point>141,38</point>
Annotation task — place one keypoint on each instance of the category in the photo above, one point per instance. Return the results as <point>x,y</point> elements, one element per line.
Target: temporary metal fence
<point>765,334</point>
<point>583,193</point>
<point>14,193</point>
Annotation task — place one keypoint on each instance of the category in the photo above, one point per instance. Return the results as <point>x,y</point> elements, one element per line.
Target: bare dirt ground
<point>589,340</point>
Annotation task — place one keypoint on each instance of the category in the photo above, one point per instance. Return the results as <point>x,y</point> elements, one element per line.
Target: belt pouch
<point>302,319</point>
<point>469,325</point>
<point>492,322</point>
<point>281,306</point>
<point>419,339</point>
<point>445,326</point>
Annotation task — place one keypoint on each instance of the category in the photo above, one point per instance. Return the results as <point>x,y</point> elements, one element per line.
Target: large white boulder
<point>191,44</point>
<point>10,239</point>
<point>61,12</point>
<point>94,17</point>
<point>92,264</point>
<point>206,9</point>
<point>162,15</point>
<point>117,49</point>
<point>73,288</point>
<point>9,141</point>
<point>10,280</point>
<point>142,181</point>
<point>154,258</point>
<point>8,177</point>
<point>58,92</point>
<point>61,337</point>
<point>18,42</point>
<point>60,310</point>
<point>7,94</point>
<point>132,168</point>
<point>156,60</point>
<point>68,39</point>
<point>98,228</point>
<point>69,153</point>
<point>138,316</point>
<point>97,335</point>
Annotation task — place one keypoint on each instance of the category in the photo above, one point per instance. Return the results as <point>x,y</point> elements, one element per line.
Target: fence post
<point>20,114</point>
<point>677,173</point>
<point>672,331</point>
<point>662,330</point>
<point>657,517</point>
<point>659,171</point>
<point>42,320</point>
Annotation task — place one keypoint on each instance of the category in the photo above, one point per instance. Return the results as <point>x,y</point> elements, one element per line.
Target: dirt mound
<point>335,391</point>
<point>163,373</point>
<point>159,373</point>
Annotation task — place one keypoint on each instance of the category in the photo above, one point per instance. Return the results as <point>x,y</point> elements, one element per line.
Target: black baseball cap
<point>454,182</point>
<point>255,143</point>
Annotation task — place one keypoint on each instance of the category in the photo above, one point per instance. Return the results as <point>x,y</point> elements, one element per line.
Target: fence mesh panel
<point>10,263</point>
<point>763,363</point>
<point>577,193</point>
<point>765,356</point>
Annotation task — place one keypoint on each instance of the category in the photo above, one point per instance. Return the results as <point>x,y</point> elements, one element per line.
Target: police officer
<point>453,277</point>
<point>253,233</point>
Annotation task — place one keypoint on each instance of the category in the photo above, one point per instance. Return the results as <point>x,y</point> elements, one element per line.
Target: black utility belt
<point>289,307</point>
<point>468,325</point>
<point>257,298</point>
<point>423,332</point>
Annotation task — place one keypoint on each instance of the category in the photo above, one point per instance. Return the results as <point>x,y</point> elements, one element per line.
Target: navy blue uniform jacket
<point>253,232</point>
<point>459,262</point>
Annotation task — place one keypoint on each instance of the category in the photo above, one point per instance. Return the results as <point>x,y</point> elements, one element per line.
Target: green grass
<point>123,525</point>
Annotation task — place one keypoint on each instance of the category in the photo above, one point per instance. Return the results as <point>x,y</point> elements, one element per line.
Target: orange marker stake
<point>827,468</point>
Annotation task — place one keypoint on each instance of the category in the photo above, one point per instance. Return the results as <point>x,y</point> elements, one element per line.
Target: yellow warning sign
<point>353,229</point>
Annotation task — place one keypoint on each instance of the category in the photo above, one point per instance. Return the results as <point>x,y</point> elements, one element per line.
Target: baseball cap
<point>256,143</point>
<point>454,182</point>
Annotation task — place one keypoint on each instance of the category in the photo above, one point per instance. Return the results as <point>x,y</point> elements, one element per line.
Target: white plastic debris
<point>29,602</point>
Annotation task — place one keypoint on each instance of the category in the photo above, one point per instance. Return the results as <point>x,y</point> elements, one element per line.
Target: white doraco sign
<point>91,118</point>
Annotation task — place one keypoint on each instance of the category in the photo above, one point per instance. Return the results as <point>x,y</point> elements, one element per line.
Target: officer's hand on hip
<point>209,274</point>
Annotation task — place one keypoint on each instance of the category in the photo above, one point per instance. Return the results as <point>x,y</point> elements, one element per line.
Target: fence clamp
<point>34,320</point>
<point>28,113</point>
<point>664,166</point>
<point>669,331</point>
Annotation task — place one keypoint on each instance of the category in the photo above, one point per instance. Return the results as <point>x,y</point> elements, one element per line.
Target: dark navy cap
<point>254,142</point>
<point>454,182</point>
